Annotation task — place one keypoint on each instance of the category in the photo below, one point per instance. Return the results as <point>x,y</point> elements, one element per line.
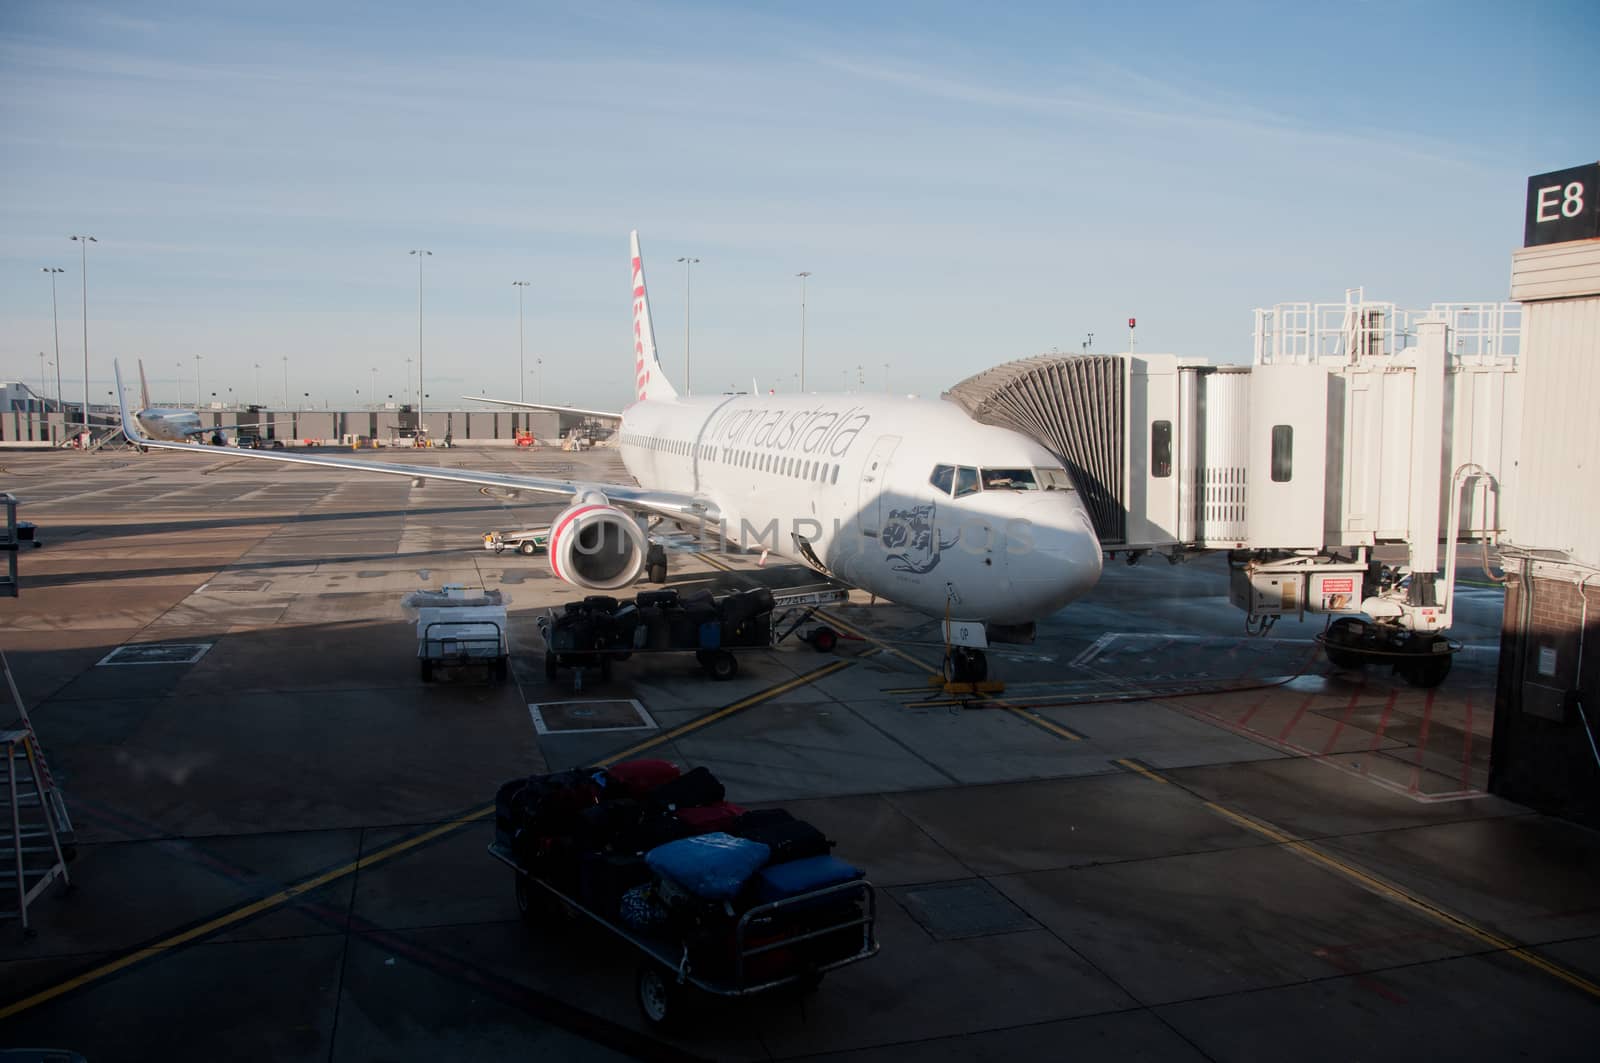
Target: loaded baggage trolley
<point>773,945</point>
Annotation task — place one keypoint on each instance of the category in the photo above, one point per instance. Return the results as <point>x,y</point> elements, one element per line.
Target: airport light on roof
<point>522,366</point>
<point>83,245</point>
<point>803,275</point>
<point>421,254</point>
<point>688,388</point>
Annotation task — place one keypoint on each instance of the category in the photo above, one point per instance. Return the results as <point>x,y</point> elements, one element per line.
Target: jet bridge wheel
<point>1428,668</point>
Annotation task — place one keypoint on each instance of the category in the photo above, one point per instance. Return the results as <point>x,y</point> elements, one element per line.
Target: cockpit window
<point>1009,480</point>
<point>1053,479</point>
<point>943,476</point>
<point>966,481</point>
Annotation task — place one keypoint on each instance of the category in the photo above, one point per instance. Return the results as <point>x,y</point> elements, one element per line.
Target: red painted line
<point>1294,720</point>
<point>1422,741</point>
<point>1260,701</point>
<point>1344,718</point>
<point>1466,749</point>
<point>1388,707</point>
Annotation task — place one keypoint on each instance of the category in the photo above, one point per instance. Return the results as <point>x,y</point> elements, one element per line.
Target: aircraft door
<point>874,482</point>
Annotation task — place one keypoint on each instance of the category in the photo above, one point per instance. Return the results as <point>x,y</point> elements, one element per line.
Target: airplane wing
<point>666,503</point>
<point>612,414</point>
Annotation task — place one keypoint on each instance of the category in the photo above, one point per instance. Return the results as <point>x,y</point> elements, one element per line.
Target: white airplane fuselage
<point>844,483</point>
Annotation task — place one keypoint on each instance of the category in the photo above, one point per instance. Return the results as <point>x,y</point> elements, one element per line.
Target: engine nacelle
<point>596,546</point>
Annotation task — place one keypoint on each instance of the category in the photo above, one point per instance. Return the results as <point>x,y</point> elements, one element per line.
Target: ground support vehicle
<point>529,541</point>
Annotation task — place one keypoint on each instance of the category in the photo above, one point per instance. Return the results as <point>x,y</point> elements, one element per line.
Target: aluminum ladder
<point>35,851</point>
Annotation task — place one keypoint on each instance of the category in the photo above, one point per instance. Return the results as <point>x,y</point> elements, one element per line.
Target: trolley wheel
<point>550,665</point>
<point>824,639</point>
<point>425,667</point>
<point>527,904</point>
<point>500,669</point>
<point>720,664</point>
<point>527,549</point>
<point>661,999</point>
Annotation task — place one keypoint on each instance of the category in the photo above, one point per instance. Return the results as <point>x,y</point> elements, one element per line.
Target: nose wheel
<point>962,665</point>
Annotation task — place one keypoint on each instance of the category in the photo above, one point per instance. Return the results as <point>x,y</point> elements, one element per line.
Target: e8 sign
<point>1561,206</point>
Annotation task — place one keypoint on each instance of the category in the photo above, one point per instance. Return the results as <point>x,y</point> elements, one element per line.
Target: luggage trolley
<point>766,955</point>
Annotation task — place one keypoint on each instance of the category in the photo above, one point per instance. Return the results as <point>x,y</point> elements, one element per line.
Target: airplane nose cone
<point>1051,563</point>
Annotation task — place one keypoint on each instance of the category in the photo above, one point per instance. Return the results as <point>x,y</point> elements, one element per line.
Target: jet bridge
<point>1361,439</point>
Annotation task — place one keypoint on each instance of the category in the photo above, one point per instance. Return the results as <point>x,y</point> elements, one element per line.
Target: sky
<point>966,183</point>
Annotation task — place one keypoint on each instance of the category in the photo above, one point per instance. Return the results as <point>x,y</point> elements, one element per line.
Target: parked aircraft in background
<point>908,499</point>
<point>171,424</point>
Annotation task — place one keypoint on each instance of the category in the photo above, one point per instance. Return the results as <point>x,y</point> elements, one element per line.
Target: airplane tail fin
<point>144,388</point>
<point>129,427</point>
<point>649,381</point>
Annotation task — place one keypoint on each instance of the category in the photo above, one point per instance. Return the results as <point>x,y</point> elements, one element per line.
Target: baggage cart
<point>766,954</point>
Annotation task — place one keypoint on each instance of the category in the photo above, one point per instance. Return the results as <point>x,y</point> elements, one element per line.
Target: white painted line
<point>647,723</point>
<point>196,650</point>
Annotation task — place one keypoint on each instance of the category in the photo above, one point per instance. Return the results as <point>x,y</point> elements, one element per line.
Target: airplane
<point>908,499</point>
<point>168,423</point>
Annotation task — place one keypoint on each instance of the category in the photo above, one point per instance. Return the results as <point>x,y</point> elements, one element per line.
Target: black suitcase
<point>690,790</point>
<point>604,877</point>
<point>794,840</point>
<point>657,598</point>
<point>600,603</point>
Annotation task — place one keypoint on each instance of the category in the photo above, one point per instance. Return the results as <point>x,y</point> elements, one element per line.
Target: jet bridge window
<point>966,481</point>
<point>1009,480</point>
<point>1160,448</point>
<point>1282,453</point>
<point>943,478</point>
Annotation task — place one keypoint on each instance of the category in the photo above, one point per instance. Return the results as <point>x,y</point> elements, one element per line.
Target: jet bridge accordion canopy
<point>1073,406</point>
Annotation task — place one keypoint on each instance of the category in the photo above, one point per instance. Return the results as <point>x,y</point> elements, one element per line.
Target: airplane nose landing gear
<point>963,665</point>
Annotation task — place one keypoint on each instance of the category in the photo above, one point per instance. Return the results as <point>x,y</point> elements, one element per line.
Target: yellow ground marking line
<point>284,896</point>
<point>1403,897</point>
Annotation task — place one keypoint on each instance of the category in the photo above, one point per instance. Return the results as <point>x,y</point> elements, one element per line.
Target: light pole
<point>55,320</point>
<point>43,388</point>
<point>374,391</point>
<point>83,243</point>
<point>286,381</point>
<point>688,388</point>
<point>421,254</point>
<point>538,374</point>
<point>886,378</point>
<point>177,383</point>
<point>408,380</point>
<point>522,366</point>
<point>198,401</point>
<point>258,383</point>
<point>803,277</point>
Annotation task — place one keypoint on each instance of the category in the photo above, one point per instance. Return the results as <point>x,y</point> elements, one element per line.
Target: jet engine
<point>596,546</point>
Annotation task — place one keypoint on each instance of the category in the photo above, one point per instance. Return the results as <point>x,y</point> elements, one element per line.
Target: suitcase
<point>794,840</point>
<point>710,867</point>
<point>600,603</point>
<point>692,789</point>
<point>653,830</point>
<point>604,877</point>
<point>709,818</point>
<point>636,778</point>
<point>606,823</point>
<point>762,817</point>
<point>781,881</point>
<point>701,599</point>
<point>657,599</point>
